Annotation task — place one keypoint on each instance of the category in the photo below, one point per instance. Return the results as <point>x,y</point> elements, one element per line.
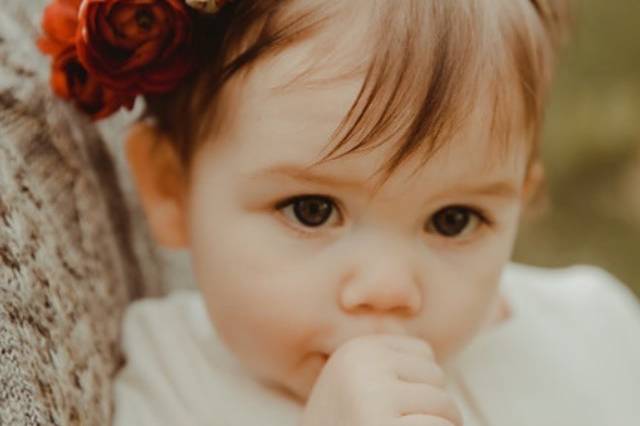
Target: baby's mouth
<point>320,357</point>
<point>325,358</point>
<point>314,362</point>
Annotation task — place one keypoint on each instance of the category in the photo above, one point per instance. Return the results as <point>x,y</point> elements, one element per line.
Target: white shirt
<point>569,355</point>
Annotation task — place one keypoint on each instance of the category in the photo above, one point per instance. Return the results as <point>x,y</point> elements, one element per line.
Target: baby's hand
<point>381,380</point>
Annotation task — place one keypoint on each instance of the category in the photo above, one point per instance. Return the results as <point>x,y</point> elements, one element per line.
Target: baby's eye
<point>311,211</point>
<point>455,222</point>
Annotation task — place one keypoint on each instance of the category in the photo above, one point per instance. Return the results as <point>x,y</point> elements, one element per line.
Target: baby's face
<point>293,262</point>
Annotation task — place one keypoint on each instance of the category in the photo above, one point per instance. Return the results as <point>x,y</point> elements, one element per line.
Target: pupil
<point>451,221</point>
<point>144,19</point>
<point>312,211</point>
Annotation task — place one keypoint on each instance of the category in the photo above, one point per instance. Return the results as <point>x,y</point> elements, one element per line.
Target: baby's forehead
<point>286,133</point>
<point>462,167</point>
<point>306,115</point>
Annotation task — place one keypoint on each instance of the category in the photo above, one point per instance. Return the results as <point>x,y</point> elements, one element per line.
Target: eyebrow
<point>306,175</point>
<point>499,189</point>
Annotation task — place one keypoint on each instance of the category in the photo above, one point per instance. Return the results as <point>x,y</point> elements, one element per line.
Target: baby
<point>348,177</point>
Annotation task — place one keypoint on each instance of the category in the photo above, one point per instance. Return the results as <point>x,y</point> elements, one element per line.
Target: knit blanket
<point>70,259</point>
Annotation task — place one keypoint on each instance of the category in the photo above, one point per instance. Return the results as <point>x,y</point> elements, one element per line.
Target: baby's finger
<point>411,370</point>
<point>420,399</point>
<point>408,344</point>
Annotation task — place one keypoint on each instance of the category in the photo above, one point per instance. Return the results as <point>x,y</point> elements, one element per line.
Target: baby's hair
<point>426,64</point>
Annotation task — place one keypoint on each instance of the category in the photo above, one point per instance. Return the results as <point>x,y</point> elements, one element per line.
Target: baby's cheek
<point>464,314</point>
<point>255,339</point>
<point>264,324</point>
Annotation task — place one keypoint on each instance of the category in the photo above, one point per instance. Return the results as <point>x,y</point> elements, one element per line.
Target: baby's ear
<point>161,182</point>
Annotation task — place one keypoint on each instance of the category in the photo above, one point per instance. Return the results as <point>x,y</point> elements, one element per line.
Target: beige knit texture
<point>70,261</point>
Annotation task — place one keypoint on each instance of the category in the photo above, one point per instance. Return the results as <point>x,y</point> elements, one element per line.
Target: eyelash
<point>300,228</point>
<point>480,214</point>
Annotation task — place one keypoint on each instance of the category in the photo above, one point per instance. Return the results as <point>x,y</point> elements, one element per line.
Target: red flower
<point>136,46</point>
<point>70,80</point>
<point>105,52</point>
<point>59,22</point>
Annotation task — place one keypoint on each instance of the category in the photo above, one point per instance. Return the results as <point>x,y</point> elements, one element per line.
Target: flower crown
<point>107,52</point>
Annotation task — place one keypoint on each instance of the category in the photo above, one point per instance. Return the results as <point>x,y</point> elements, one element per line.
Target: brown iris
<point>451,221</point>
<point>312,210</point>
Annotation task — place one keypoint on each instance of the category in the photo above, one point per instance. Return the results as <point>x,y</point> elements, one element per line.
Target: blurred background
<point>591,149</point>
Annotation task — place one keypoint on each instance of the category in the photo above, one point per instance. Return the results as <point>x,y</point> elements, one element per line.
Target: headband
<point>107,52</point>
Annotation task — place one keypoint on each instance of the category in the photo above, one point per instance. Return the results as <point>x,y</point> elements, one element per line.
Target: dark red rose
<point>136,46</point>
<point>70,80</point>
<point>59,23</point>
<point>105,52</point>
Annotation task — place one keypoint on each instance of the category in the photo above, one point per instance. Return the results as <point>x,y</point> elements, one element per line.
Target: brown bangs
<point>428,64</point>
<point>431,64</point>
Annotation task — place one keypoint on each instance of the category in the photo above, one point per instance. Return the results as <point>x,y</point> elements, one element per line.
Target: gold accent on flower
<point>207,6</point>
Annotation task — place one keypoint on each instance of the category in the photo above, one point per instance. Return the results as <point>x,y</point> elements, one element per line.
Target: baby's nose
<point>379,290</point>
